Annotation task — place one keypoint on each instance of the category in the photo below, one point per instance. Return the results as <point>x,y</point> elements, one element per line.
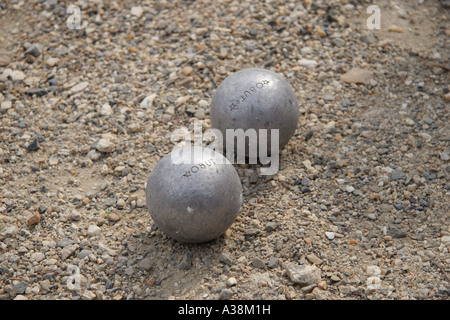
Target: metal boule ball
<point>194,194</point>
<point>255,99</point>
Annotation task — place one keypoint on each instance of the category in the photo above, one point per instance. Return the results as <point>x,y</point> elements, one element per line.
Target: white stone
<point>425,136</point>
<point>93,230</point>
<point>51,62</point>
<point>445,156</point>
<point>79,87</point>
<point>140,202</point>
<point>53,161</point>
<point>357,75</point>
<point>67,251</point>
<point>330,235</point>
<point>88,295</point>
<point>305,50</point>
<point>409,121</point>
<point>37,256</point>
<point>134,127</point>
<point>94,155</point>
<point>203,104</point>
<point>373,281</point>
<point>436,56</point>
<point>307,63</point>
<point>373,270</point>
<point>10,230</point>
<point>75,215</point>
<point>137,11</point>
<point>231,281</point>
<point>121,203</point>
<point>106,110</point>
<point>6,105</point>
<point>49,243</point>
<point>105,146</point>
<point>330,125</point>
<point>148,101</point>
<point>6,73</point>
<point>349,189</point>
<point>17,75</point>
<point>445,239</point>
<point>302,274</point>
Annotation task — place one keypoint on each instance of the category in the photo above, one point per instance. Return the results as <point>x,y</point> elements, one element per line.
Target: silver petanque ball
<point>194,194</point>
<point>255,99</point>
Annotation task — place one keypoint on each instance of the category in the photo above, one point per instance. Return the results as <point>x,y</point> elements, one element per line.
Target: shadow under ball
<point>194,202</point>
<point>258,99</point>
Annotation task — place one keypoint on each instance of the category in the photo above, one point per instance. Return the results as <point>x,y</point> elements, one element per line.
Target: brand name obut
<point>248,93</point>
<point>196,168</point>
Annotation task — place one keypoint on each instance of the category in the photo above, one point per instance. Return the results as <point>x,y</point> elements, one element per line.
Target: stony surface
<point>359,206</point>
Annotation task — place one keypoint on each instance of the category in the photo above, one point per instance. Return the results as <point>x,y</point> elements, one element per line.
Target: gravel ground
<point>359,207</point>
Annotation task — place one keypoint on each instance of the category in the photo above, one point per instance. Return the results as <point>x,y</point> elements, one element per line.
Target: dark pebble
<point>396,232</point>
<point>273,263</point>
<point>48,276</point>
<point>42,209</point>
<point>84,253</point>
<point>368,38</point>
<point>418,236</point>
<point>308,136</point>
<point>64,242</point>
<point>226,259</point>
<point>346,102</point>
<point>33,146</point>
<point>398,205</point>
<point>34,50</point>
<point>397,175</point>
<point>20,287</point>
<point>109,284</point>
<point>37,92</point>
<point>305,182</point>
<point>186,262</point>
<point>52,81</point>
<point>270,226</point>
<point>150,148</point>
<point>430,175</point>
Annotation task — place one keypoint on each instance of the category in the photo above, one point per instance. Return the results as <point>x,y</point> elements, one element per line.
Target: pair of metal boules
<point>195,194</point>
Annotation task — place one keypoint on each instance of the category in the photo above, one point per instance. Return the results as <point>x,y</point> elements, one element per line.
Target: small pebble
<point>330,235</point>
<point>231,282</point>
<point>93,230</point>
<point>225,294</point>
<point>34,145</point>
